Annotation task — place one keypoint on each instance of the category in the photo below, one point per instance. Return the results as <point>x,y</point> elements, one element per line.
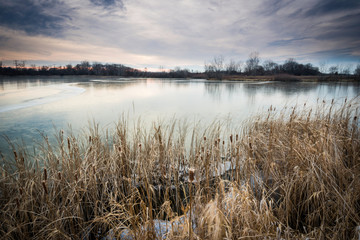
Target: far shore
<point>219,77</point>
<point>290,78</point>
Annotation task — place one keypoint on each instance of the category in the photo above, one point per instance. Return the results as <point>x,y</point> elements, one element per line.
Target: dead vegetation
<point>287,174</point>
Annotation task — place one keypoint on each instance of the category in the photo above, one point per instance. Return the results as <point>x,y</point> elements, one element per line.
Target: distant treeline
<point>98,69</point>
<point>217,68</point>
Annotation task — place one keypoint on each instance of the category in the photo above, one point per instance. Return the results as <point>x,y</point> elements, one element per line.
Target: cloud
<point>186,32</point>
<point>108,3</point>
<point>332,6</point>
<point>34,17</point>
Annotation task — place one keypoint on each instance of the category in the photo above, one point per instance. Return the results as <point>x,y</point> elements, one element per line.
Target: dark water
<point>30,106</point>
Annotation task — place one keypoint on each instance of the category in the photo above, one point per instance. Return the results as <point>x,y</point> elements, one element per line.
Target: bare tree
<point>97,68</point>
<point>218,63</point>
<point>322,67</point>
<point>233,67</point>
<point>215,68</point>
<point>270,67</point>
<point>334,70</point>
<point>252,64</point>
<point>357,70</point>
<point>346,69</point>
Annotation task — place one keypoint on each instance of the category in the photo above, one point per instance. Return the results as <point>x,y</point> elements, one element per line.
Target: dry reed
<point>287,174</point>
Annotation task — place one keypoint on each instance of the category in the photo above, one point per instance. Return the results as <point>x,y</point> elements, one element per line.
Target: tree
<point>290,66</point>
<point>346,69</point>
<point>357,70</point>
<point>252,64</point>
<point>270,67</point>
<point>233,67</point>
<point>322,67</point>
<point>97,68</point>
<point>215,68</point>
<point>333,70</point>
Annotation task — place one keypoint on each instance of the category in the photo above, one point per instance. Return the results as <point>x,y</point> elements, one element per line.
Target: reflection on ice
<point>34,98</point>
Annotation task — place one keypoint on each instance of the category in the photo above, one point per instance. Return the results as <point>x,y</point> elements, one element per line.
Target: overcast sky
<point>185,33</point>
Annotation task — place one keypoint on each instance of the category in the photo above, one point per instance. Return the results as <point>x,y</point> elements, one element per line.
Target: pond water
<point>30,106</point>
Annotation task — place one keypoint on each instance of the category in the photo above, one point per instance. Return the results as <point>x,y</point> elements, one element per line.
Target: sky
<point>183,33</point>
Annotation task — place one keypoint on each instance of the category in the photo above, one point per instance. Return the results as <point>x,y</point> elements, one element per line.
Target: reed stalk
<point>291,173</point>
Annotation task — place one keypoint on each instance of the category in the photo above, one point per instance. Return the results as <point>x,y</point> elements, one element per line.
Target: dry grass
<point>293,174</point>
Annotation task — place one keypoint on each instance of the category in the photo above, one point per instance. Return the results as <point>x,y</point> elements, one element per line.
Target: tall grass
<point>287,174</point>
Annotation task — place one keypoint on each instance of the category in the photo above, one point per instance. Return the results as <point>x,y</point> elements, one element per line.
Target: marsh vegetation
<point>293,173</point>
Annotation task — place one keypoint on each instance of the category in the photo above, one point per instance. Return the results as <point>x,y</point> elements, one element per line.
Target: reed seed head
<point>68,142</point>
<point>191,174</point>
<point>45,174</point>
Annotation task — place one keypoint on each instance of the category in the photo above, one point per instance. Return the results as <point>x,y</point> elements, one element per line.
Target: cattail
<point>191,174</point>
<point>45,174</point>
<point>237,137</point>
<point>59,175</point>
<point>15,155</point>
<point>215,143</point>
<point>44,186</point>
<point>204,138</point>
<point>223,142</point>
<point>231,138</point>
<point>68,142</point>
<point>140,146</point>
<point>90,139</point>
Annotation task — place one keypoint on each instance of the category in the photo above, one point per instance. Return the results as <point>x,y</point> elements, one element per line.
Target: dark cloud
<point>331,6</point>
<point>342,54</point>
<point>34,18</point>
<point>284,42</point>
<point>108,3</point>
<point>346,27</point>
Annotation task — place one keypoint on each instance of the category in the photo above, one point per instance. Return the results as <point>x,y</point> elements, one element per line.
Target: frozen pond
<point>33,105</point>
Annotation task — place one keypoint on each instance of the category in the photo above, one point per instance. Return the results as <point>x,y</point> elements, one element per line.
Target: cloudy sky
<point>185,33</point>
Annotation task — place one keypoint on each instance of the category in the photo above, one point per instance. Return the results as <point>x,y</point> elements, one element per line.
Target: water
<point>31,106</point>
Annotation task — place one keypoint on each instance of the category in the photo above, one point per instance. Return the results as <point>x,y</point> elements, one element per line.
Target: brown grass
<point>294,174</point>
